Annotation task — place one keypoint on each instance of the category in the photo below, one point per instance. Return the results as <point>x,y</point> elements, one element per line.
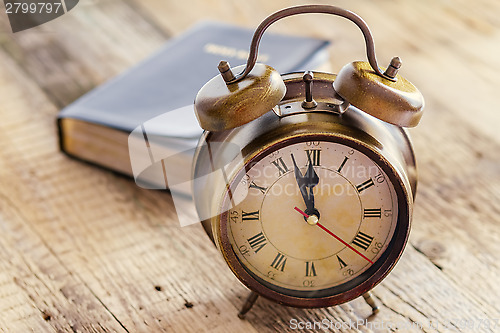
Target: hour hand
<point>300,181</point>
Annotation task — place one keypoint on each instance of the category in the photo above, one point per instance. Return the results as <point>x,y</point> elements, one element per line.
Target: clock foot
<point>248,305</point>
<point>371,302</point>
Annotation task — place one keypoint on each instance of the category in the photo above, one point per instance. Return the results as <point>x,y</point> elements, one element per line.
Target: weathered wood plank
<point>44,294</point>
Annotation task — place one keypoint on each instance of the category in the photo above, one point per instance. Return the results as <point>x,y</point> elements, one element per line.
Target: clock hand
<point>312,180</point>
<point>313,220</point>
<point>306,183</point>
<point>302,184</point>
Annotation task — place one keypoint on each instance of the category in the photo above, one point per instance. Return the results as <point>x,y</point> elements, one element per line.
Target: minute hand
<point>306,183</point>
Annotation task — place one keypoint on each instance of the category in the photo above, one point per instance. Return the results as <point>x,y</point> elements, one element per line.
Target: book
<point>157,96</point>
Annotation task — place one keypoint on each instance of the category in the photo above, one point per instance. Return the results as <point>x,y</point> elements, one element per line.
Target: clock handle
<point>325,9</point>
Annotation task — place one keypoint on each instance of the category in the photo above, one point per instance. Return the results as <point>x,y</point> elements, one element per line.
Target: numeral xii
<point>314,155</point>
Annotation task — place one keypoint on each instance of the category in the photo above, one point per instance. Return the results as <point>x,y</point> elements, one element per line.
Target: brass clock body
<point>264,235</point>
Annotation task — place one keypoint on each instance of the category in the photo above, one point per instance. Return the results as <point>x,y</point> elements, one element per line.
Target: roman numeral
<point>341,263</point>
<point>313,155</point>
<point>279,262</point>
<point>280,164</point>
<point>257,242</point>
<point>310,269</point>
<point>260,188</point>
<point>372,212</point>
<point>249,216</point>
<point>342,164</point>
<point>363,186</point>
<point>362,240</point>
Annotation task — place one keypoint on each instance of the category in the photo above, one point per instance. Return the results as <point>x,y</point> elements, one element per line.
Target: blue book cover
<point>95,127</point>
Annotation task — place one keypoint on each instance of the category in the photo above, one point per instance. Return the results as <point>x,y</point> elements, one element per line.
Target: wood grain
<point>84,250</point>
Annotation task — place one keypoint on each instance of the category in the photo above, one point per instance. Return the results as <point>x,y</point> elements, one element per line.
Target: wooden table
<point>85,250</point>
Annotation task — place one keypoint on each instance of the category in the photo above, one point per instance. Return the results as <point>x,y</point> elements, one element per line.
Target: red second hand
<point>336,237</point>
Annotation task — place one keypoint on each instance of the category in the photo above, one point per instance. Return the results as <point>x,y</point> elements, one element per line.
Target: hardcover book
<point>96,127</point>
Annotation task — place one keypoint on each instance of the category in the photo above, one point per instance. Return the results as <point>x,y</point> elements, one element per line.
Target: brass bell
<point>224,103</point>
<point>390,98</point>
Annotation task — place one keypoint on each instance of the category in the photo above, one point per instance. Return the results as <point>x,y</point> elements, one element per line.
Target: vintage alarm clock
<point>314,203</point>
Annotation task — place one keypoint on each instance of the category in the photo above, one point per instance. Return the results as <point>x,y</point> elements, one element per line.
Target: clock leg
<point>371,302</point>
<point>248,305</point>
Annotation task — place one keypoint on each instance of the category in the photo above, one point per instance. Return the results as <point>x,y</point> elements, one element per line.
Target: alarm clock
<point>313,204</point>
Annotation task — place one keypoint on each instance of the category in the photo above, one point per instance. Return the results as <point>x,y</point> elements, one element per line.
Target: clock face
<point>310,218</point>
